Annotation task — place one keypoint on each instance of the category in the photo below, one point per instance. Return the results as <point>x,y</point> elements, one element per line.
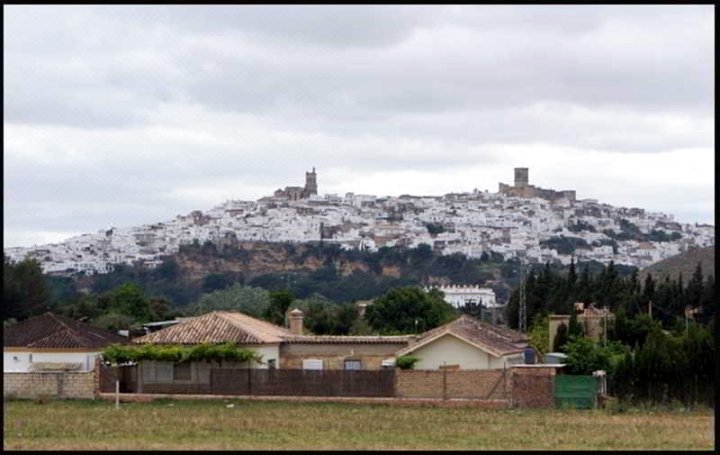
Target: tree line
<point>660,347</point>
<point>128,305</point>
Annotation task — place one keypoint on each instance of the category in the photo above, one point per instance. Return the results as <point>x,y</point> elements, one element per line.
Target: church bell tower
<point>310,182</point>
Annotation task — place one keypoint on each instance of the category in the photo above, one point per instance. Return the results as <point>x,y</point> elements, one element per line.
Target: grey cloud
<point>349,25</point>
<point>486,67</point>
<point>361,88</point>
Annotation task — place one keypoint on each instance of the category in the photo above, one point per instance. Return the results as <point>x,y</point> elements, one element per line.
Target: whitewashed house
<point>51,342</point>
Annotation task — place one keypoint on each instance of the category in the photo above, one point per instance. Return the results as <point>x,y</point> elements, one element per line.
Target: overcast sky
<point>127,115</point>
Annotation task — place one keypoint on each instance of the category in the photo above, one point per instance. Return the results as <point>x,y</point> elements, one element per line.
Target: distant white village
<point>517,221</point>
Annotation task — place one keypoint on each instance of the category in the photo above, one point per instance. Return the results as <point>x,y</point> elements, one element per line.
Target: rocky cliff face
<point>252,259</point>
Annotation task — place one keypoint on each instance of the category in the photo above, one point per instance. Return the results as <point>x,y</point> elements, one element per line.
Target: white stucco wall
<point>451,350</point>
<point>19,361</point>
<point>268,352</point>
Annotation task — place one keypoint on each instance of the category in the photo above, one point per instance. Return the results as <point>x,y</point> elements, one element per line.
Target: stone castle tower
<point>521,177</point>
<point>522,188</point>
<point>310,183</point>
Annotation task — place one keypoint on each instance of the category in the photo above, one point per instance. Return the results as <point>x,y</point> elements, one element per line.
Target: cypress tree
<point>574,328</point>
<point>695,288</point>
<point>648,289</point>
<point>561,338</point>
<point>584,288</point>
<point>572,275</point>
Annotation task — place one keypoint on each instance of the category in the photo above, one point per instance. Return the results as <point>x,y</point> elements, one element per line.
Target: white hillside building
<point>459,296</point>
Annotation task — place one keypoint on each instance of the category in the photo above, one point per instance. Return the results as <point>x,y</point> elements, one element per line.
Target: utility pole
<point>522,323</point>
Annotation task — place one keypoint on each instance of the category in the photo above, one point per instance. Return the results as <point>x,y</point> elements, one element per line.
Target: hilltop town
<point>520,220</point>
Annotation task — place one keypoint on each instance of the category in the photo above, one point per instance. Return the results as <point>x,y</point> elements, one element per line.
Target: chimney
<point>296,321</point>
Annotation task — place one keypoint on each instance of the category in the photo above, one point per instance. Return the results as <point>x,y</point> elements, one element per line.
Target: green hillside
<point>684,263</point>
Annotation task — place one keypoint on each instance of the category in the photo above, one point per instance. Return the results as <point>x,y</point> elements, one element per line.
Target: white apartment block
<point>459,296</point>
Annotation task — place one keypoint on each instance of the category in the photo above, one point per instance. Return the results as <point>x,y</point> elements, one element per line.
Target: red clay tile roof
<point>364,339</point>
<point>51,330</point>
<point>218,327</point>
<point>498,341</point>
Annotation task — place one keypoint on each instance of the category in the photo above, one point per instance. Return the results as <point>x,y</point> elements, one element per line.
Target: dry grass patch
<point>83,425</point>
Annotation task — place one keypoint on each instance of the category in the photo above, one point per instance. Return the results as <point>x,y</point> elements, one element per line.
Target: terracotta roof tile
<point>318,339</point>
<point>218,327</point>
<point>51,330</point>
<point>496,340</point>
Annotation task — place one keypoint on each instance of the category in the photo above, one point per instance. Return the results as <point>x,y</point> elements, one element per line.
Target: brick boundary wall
<point>56,384</point>
<point>520,387</point>
<point>533,387</point>
<point>463,384</point>
<point>419,384</point>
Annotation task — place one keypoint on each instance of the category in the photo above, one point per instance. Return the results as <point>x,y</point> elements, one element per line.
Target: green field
<point>83,425</point>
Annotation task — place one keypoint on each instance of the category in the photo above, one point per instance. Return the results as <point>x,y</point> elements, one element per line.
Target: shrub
<point>406,362</point>
<point>117,354</point>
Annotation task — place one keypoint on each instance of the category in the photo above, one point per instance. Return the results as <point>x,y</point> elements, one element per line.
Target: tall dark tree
<point>708,301</point>
<point>25,291</point>
<point>575,329</point>
<point>633,285</point>
<point>584,292</point>
<point>694,291</point>
<point>398,310</point>
<point>279,305</point>
<point>572,275</point>
<point>561,338</point>
<point>648,292</point>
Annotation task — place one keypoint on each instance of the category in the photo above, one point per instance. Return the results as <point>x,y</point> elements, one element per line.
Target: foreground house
<point>295,363</point>
<point>216,327</point>
<point>221,327</point>
<point>51,342</point>
<point>467,343</point>
<point>53,355</point>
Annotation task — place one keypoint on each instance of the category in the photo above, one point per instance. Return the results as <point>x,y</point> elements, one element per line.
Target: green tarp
<point>577,392</point>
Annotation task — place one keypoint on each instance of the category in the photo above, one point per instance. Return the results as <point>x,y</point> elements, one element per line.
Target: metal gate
<point>579,392</point>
